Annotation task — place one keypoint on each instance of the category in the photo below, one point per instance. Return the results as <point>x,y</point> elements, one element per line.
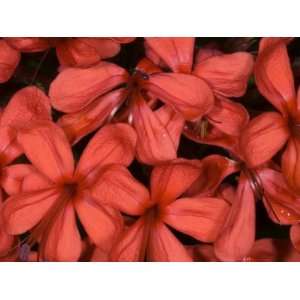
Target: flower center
<point>294,125</point>
<point>71,189</point>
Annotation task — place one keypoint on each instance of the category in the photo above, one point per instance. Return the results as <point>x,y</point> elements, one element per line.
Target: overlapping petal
<point>47,147</point>
<point>9,60</point>
<point>264,136</point>
<point>227,74</point>
<point>273,74</point>
<point>201,218</point>
<point>185,93</point>
<point>177,53</point>
<point>238,234</point>
<point>73,89</point>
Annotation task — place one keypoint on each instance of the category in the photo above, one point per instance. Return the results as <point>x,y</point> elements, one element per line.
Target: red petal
<point>201,218</point>
<point>23,211</point>
<point>228,116</point>
<point>214,169</point>
<point>170,180</point>
<point>268,250</point>
<point>147,66</point>
<point>102,224</point>
<point>295,236</point>
<point>227,74</point>
<point>105,47</point>
<point>177,53</point>
<point>73,88</point>
<point>155,143</point>
<point>237,237</point>
<point>116,187</point>
<point>30,44</point>
<point>9,148</point>
<point>273,74</point>
<point>123,40</point>
<point>47,147</point>
<point>9,59</point>
<point>282,205</point>
<point>6,240</point>
<point>79,124</point>
<point>164,246</point>
<point>205,53</point>
<point>113,144</point>
<point>76,53</point>
<point>63,242</point>
<point>27,105</point>
<point>20,178</point>
<point>187,94</point>
<point>132,243</point>
<point>290,163</point>
<point>264,136</point>
<point>85,52</point>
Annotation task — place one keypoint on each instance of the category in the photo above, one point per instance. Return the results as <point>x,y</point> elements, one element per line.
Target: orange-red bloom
<point>149,237</point>
<point>269,132</point>
<point>47,195</point>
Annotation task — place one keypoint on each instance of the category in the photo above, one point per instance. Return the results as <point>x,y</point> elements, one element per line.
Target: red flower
<point>91,96</point>
<point>269,132</point>
<point>218,76</point>
<point>46,195</point>
<point>149,237</point>
<point>260,182</point>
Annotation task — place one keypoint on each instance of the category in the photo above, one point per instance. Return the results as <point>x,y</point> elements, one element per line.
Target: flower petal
<point>23,211</point>
<point>102,223</point>
<point>22,178</point>
<point>155,143</point>
<point>29,44</point>
<point>290,162</point>
<point>170,180</point>
<point>185,93</point>
<point>85,52</point>
<point>9,148</point>
<point>273,74</point>
<point>199,217</point>
<point>163,246</point>
<point>295,236</point>
<point>79,124</point>
<point>26,105</point>
<point>113,144</point>
<point>227,74</point>
<point>264,136</point>
<point>9,59</point>
<point>105,47</point>
<point>47,147</point>
<point>228,116</point>
<point>73,89</point>
<point>63,242</point>
<point>268,250</point>
<point>282,205</point>
<point>238,234</point>
<point>6,240</point>
<point>132,243</point>
<point>214,169</point>
<point>117,188</point>
<point>177,53</point>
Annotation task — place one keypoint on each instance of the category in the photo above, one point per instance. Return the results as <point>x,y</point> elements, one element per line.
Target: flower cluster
<point>145,150</point>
